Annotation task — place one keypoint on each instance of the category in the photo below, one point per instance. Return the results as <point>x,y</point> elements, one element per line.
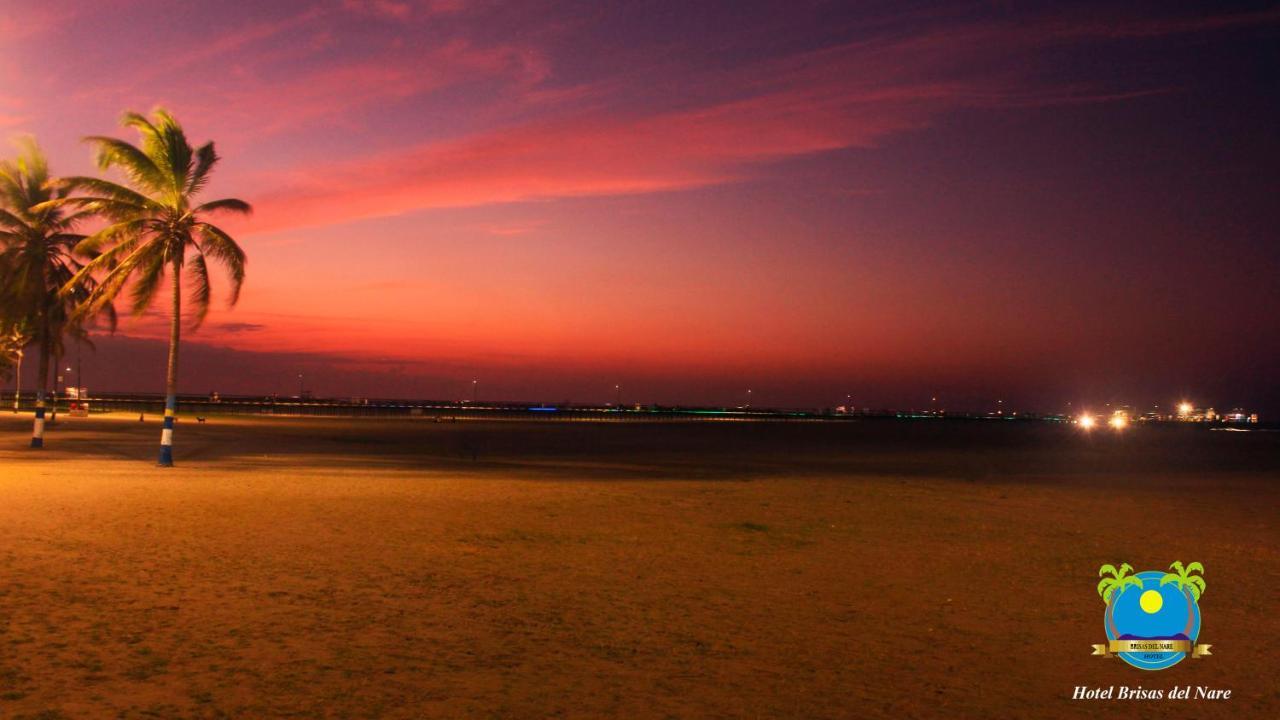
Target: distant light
<point>1185,408</point>
<point>1086,421</point>
<point>1119,422</point>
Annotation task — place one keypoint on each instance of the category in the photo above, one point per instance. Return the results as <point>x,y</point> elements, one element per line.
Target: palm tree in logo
<point>1191,585</point>
<point>1112,587</point>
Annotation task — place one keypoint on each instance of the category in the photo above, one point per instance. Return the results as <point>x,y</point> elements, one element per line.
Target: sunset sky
<point>809,199</point>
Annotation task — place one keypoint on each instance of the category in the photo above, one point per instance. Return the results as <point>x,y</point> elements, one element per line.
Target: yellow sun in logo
<point>1151,601</point>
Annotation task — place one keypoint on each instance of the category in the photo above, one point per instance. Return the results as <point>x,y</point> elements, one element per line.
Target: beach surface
<point>414,569</point>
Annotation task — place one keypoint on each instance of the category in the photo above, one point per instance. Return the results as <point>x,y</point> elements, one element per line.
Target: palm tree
<point>1114,586</point>
<point>44,281</point>
<point>155,226</point>
<point>12,346</point>
<point>1191,585</point>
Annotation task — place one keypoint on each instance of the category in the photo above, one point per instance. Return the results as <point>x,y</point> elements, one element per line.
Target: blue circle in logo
<point>1153,612</point>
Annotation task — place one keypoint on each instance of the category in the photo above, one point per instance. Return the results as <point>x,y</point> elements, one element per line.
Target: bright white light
<point>1119,422</point>
<point>1185,408</point>
<point>1086,422</point>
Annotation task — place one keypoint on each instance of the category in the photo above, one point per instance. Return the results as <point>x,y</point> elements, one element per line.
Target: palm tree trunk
<point>37,432</point>
<point>171,378</point>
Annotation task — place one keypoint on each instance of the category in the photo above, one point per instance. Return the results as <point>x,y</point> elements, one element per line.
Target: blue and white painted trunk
<point>166,435</point>
<point>37,431</point>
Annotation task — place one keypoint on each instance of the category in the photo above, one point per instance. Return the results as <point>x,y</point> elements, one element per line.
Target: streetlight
<point>748,405</point>
<point>57,380</point>
<point>474,385</point>
<point>617,396</point>
<point>17,382</point>
<point>299,387</point>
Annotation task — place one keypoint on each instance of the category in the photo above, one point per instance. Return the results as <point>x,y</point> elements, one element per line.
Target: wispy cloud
<point>850,96</point>
<point>1156,27</point>
<point>404,9</point>
<point>856,94</point>
<point>239,327</point>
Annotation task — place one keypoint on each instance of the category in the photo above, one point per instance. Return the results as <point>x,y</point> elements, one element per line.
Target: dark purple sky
<point>1065,203</point>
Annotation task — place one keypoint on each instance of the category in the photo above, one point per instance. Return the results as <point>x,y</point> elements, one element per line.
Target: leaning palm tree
<point>1191,585</point>
<point>1114,586</point>
<point>44,283</point>
<point>155,226</point>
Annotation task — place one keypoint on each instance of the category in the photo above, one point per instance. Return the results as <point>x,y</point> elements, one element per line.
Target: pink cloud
<point>23,21</point>
<point>404,9</point>
<point>385,8</point>
<point>340,90</point>
<point>260,103</point>
<point>511,229</point>
<point>231,42</point>
<point>852,96</point>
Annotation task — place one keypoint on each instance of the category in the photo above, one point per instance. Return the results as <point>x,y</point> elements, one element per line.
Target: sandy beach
<point>411,569</point>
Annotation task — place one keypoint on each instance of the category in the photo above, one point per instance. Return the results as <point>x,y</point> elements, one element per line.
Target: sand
<point>404,568</point>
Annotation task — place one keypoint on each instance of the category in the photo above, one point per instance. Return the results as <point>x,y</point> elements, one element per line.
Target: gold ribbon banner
<point>1148,646</point>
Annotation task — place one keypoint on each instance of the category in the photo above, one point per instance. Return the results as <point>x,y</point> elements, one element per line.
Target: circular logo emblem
<point>1152,618</point>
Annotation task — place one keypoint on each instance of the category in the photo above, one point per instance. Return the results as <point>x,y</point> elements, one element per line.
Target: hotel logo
<point>1152,618</point>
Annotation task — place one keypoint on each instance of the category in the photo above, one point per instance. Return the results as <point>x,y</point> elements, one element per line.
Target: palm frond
<point>72,219</point>
<point>228,204</point>
<point>100,189</point>
<point>9,220</point>
<point>68,240</point>
<point>105,261</point>
<point>219,245</point>
<point>31,162</point>
<point>206,158</point>
<point>116,233</point>
<point>111,284</point>
<point>137,166</point>
<point>170,143</point>
<point>108,311</point>
<point>148,274</point>
<point>198,274</point>
<point>152,145</point>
